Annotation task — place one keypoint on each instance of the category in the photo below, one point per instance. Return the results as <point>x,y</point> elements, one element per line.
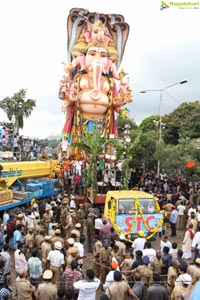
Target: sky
<point>163,48</point>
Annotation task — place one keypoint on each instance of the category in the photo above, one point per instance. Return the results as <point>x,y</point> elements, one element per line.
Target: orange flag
<point>190,164</point>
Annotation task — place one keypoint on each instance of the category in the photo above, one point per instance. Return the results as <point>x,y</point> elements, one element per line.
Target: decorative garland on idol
<point>139,209</point>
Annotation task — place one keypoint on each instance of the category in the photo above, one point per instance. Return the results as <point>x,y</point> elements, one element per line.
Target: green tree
<point>182,122</point>
<point>149,123</point>
<point>121,125</point>
<point>92,146</point>
<point>17,107</point>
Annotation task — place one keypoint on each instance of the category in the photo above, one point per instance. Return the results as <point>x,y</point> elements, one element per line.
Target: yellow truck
<point>131,211</point>
<point>21,182</point>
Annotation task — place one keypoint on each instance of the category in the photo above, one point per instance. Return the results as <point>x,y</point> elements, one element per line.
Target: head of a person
<point>114,265</point>
<point>61,292</point>
<point>174,245</point>
<point>22,273</point>
<point>190,226</point>
<point>90,274</point>
<point>20,246</point>
<point>19,227</point>
<point>47,275</point>
<point>34,252</point>
<point>8,280</point>
<point>104,297</point>
<point>117,276</point>
<point>185,279</point>
<point>165,238</point>
<point>74,236</point>
<point>58,245</point>
<point>146,260</point>
<point>175,264</point>
<point>158,254</point>
<point>156,278</point>
<point>141,234</point>
<point>137,276</point>
<point>74,265</point>
<point>138,254</point>
<point>82,239</point>
<point>180,253</point>
<point>115,248</point>
<point>69,293</point>
<point>147,245</point>
<point>106,244</point>
<point>165,250</point>
<point>182,269</point>
<point>197,262</point>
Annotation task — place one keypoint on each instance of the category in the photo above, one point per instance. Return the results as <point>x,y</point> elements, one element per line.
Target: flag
<point>190,164</point>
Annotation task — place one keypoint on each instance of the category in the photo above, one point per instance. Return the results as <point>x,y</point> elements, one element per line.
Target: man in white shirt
<point>87,287</point>
<point>20,259</point>
<point>181,210</point>
<point>192,209</point>
<point>196,244</point>
<point>80,246</point>
<point>56,261</point>
<point>110,275</point>
<point>72,203</point>
<point>139,242</point>
<point>149,251</point>
<point>165,242</point>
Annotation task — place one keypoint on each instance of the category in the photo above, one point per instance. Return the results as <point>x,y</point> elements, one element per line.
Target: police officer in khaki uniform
<point>46,219</point>
<point>24,289</point>
<point>119,288</point>
<point>77,231</point>
<point>96,255</point>
<point>57,238</point>
<point>80,216</point>
<point>122,248</point>
<point>105,260</point>
<point>182,291</point>
<point>156,263</point>
<point>45,249</point>
<point>39,239</point>
<point>47,290</point>
<point>64,212</point>
<point>194,271</point>
<point>146,273</point>
<point>172,274</point>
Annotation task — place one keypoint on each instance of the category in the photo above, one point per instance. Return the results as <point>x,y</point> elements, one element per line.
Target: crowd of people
<point>65,250</point>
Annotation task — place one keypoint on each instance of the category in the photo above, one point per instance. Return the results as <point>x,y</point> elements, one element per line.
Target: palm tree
<point>92,145</point>
<point>17,107</point>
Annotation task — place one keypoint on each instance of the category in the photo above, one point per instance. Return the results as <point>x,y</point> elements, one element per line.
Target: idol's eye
<point>95,31</point>
<point>103,54</point>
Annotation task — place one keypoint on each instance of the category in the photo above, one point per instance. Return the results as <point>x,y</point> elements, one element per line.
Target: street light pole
<point>161,91</point>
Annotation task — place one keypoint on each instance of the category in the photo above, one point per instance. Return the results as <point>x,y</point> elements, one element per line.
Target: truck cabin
<point>127,205</point>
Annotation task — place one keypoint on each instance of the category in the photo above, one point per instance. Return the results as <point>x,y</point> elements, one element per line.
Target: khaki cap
<point>73,250</point>
<point>58,245</point>
<point>47,237</point>
<point>48,274</point>
<point>20,216</point>
<point>78,225</point>
<point>71,241</point>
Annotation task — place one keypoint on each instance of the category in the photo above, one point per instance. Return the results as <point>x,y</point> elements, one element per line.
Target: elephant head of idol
<point>96,62</point>
<point>97,32</point>
<point>78,53</point>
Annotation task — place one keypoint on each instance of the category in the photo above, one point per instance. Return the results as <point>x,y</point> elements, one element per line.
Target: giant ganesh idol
<point>92,88</point>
